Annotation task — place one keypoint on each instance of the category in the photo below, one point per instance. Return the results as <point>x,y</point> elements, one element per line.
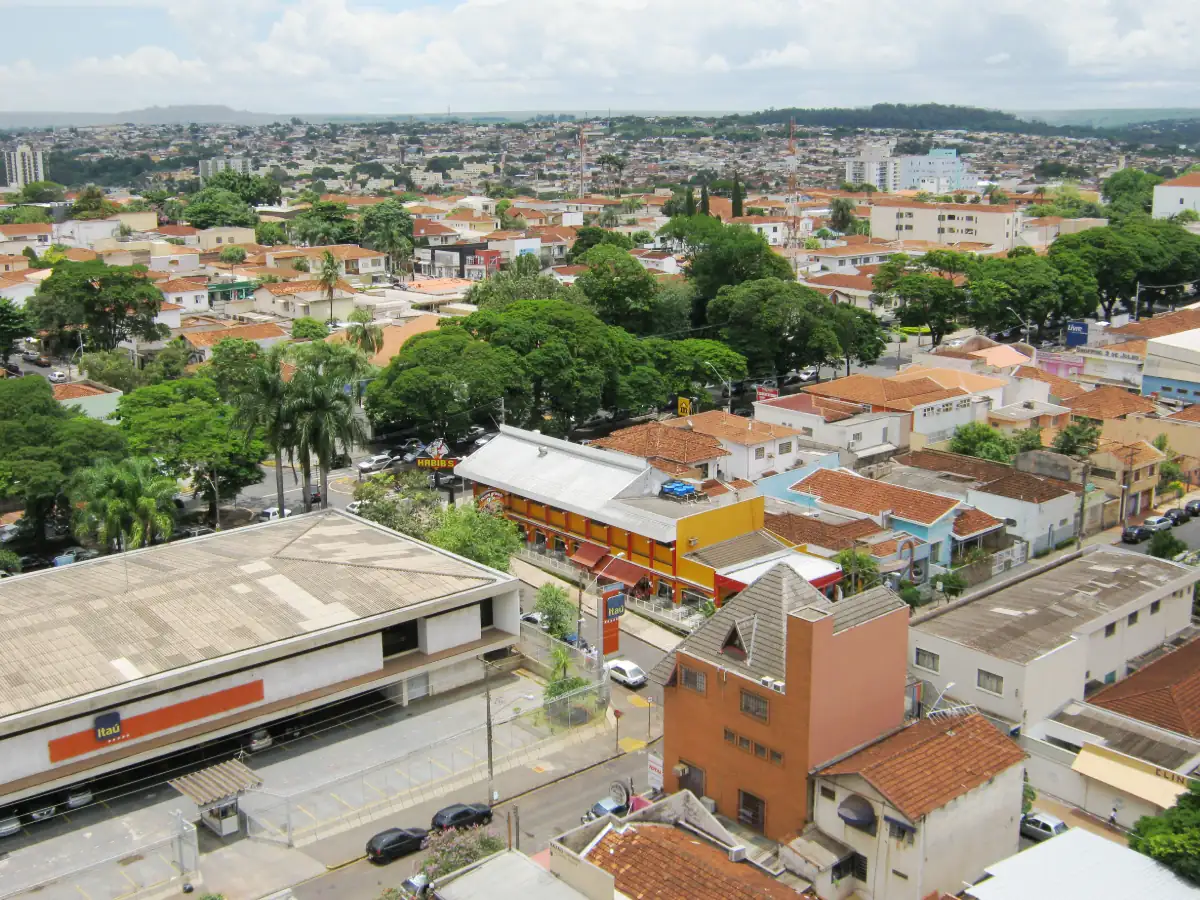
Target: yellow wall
<point>1183,437</point>
<point>712,527</point>
<point>139,221</point>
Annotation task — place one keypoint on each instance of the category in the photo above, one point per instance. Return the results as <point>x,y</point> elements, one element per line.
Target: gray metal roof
<point>74,630</point>
<point>759,613</point>
<point>1129,736</point>
<point>217,784</point>
<point>738,549</point>
<point>509,875</point>
<point>1031,616</point>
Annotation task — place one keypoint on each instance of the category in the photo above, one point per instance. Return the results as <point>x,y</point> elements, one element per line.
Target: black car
<point>1177,516</point>
<point>1193,508</point>
<point>462,815</point>
<point>394,843</point>
<point>1135,534</point>
<point>13,369</point>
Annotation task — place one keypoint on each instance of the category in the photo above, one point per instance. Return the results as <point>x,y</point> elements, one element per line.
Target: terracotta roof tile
<point>1165,693</point>
<point>283,288</point>
<point>657,440</point>
<point>955,464</point>
<point>973,521</point>
<point>737,429</point>
<point>1109,403</point>
<point>1162,325</point>
<point>429,228</point>
<point>829,409</point>
<point>339,251</point>
<point>245,332</point>
<point>1132,453</point>
<point>20,230</point>
<point>807,530</point>
<point>1060,387</point>
<point>1187,414</point>
<point>849,491</point>
<point>1028,488</point>
<point>885,392</point>
<point>75,391</point>
<point>933,761</point>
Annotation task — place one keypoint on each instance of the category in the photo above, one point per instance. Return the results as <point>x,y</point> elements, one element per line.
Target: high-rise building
<point>24,165</point>
<point>875,165</point>
<point>939,172</point>
<point>210,167</point>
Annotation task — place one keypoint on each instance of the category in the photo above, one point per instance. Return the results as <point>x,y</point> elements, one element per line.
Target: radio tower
<point>582,158</point>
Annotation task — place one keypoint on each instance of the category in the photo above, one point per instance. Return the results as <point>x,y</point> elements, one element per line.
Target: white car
<point>375,463</point>
<point>1040,826</point>
<point>259,740</point>
<point>625,672</point>
<point>271,513</point>
<point>58,376</point>
<point>353,507</point>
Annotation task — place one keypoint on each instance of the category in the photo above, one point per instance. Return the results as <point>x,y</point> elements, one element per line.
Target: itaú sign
<point>107,727</point>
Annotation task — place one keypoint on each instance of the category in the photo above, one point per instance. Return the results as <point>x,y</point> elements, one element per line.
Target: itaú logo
<point>108,727</point>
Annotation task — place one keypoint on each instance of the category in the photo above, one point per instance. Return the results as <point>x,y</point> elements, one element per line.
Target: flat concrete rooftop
<point>1030,617</point>
<point>74,630</point>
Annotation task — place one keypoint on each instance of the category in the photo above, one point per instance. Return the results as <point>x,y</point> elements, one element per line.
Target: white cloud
<point>367,56</point>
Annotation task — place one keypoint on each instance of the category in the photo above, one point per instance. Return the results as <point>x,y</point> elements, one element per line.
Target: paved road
<point>1188,532</point>
<point>544,814</point>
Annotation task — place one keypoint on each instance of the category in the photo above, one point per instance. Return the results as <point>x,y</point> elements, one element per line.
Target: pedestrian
<point>1112,817</point>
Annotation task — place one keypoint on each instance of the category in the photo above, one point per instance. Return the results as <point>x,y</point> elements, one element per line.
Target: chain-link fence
<point>157,868</point>
<point>442,766</point>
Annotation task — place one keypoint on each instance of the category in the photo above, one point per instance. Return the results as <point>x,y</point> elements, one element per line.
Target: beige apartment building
<point>945,223</point>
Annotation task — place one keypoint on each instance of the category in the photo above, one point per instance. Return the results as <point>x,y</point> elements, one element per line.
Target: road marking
<point>306,812</point>
<point>635,700</point>
<point>66,818</point>
<point>440,765</point>
<point>403,775</point>
<point>130,880</point>
<point>171,863</point>
<point>629,745</point>
<point>468,752</point>
<point>375,789</point>
<point>82,891</point>
<point>341,801</point>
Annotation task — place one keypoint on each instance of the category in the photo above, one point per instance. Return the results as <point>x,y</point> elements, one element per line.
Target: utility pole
<point>487,696</point>
<point>1087,465</point>
<point>501,410</point>
<point>582,159</point>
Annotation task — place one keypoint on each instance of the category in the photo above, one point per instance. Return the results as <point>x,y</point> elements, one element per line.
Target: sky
<point>414,56</point>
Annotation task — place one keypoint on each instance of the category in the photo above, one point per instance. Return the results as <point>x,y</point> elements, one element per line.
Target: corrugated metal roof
<point>217,784</point>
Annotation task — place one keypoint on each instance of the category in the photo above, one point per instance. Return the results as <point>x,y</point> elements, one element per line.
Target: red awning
<point>588,554</point>
<point>621,570</point>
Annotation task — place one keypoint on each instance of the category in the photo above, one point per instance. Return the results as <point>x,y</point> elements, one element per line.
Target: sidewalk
<point>1077,818</point>
<point>633,625</point>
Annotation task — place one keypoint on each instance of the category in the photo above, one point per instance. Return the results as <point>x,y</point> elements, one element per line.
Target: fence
<point>445,765</point>
<point>551,561</point>
<point>680,617</point>
<point>151,870</point>
<point>539,648</point>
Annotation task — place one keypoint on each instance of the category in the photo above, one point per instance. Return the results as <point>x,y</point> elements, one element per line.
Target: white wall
<point>29,753</point>
<point>1171,200</point>
<point>1112,654</point>
<point>961,664</point>
<point>937,419</point>
<point>449,629</point>
<point>1054,678</point>
<point>1032,520</point>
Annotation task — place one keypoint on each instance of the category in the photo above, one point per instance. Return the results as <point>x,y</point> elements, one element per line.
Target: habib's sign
<point>107,727</point>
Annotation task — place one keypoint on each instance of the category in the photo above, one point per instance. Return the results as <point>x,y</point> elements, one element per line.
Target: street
<point>1188,532</point>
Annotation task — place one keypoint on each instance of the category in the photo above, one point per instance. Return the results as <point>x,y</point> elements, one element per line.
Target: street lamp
<point>933,708</point>
<point>726,382</point>
<point>1024,322</point>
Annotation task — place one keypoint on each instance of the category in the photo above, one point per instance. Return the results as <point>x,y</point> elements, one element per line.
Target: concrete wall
<point>1107,655</point>
<point>1183,437</point>
<point>961,664</point>
<point>97,406</point>
<point>1054,678</point>
<point>450,629</point>
<point>1049,464</point>
<point>1041,525</point>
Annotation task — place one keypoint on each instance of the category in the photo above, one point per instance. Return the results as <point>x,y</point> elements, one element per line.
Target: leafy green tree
<point>258,386</point>
<point>556,609</point>
<point>450,850</point>
<point>306,328</point>
<point>111,304</point>
<point>478,535</point>
<point>1112,259</point>
<point>704,205</point>
<point>1165,545</point>
<point>776,325</point>
<point>124,505</point>
<point>387,227</point>
<point>363,332</point>
<point>92,204</point>
<point>506,287</point>
<point>562,681</point>
<point>737,197</point>
<point>1077,440</point>
<point>41,192</point>
<point>982,441</point>
<point>588,236</point>
<point>15,324</point>
<point>325,420</point>
<point>949,584</point>
<point>1173,836</point>
<point>1028,439</point>
<point>324,222</point>
<point>841,215</point>
<point>620,289</point>
<point>934,302</point>
<point>729,255</point>
<point>232,254</point>
<point>114,368</point>
<point>269,234</point>
<point>527,265</point>
<point>403,502</point>
<point>253,190</point>
<point>24,215</point>
<point>686,366</point>
<point>859,569</point>
<point>216,207</point>
<point>1129,191</point>
<point>233,365</point>
<point>10,561</point>
<point>860,334</point>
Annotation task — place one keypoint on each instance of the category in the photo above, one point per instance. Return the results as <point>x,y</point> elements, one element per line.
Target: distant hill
<point>1105,118</point>
<point>154,115</point>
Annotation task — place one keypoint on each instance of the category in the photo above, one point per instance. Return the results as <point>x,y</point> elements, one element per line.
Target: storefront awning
<point>588,554</point>
<point>875,451</point>
<point>621,570</point>
<point>1144,781</point>
<point>217,784</point>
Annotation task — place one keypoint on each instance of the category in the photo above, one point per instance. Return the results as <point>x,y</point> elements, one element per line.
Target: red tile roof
<point>1109,403</point>
<point>1165,693</point>
<point>429,228</point>
<point>933,761</point>
<point>807,530</point>
<point>245,332</point>
<point>736,429</point>
<point>1187,414</point>
<point>1192,179</point>
<point>1162,325</point>
<point>657,440</point>
<point>1059,387</point>
<point>282,288</point>
<point>177,230</point>
<point>829,409</point>
<point>1028,488</point>
<point>974,521</point>
<point>75,391</point>
<point>885,392</point>
<point>849,491</point>
<point>955,464</point>
<point>21,230</point>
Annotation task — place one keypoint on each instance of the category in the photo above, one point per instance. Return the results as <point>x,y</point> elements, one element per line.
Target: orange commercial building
<point>777,682</point>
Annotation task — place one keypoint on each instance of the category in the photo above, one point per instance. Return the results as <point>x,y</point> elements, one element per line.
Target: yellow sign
<point>685,407</point>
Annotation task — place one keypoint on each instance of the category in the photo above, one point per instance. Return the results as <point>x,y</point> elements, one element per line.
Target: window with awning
<point>588,554</point>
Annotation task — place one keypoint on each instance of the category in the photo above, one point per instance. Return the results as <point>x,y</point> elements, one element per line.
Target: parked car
<point>534,618</point>
<point>13,369</point>
<point>576,641</point>
<point>1135,534</point>
<point>197,531</point>
<point>77,797</point>
<point>42,360</point>
<point>1193,508</point>
<point>394,843</point>
<point>41,808</point>
<point>375,463</point>
<point>10,824</point>
<point>1157,523</point>
<point>74,555</point>
<point>29,355</point>
<point>462,815</point>
<point>483,439</point>
<point>605,806</point>
<point>1040,826</point>
<point>353,507</point>
<point>259,740</point>
<point>314,496</point>
<point>31,563</point>
<point>625,672</point>
<point>8,532</point>
<point>1178,516</point>
<point>58,376</point>
<point>271,513</point>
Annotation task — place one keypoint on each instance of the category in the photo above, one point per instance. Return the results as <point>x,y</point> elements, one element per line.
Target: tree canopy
<point>1173,837</point>
<point>776,325</point>
<point>215,207</point>
<point>110,303</point>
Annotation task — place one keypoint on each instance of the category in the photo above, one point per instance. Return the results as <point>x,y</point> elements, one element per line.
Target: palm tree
<point>364,333</point>
<point>328,277</point>
<point>124,505</point>
<point>325,418</point>
<point>263,408</point>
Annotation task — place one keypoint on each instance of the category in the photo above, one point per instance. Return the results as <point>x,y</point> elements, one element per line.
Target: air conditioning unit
<point>737,853</point>
<point>709,803</point>
<point>765,681</point>
<point>777,687</point>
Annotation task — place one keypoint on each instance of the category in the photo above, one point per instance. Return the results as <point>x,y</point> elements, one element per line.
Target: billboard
<point>1077,334</point>
<point>765,393</point>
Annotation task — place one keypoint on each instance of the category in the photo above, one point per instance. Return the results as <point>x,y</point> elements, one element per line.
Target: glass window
<point>784,447</point>
<point>857,436</point>
<point>1110,629</point>
<point>1133,617</point>
<point>691,679</point>
<point>743,743</point>
<point>807,432</point>
<point>828,793</point>
<point>1155,607</point>
<point>760,452</point>
<point>927,660</point>
<point>754,705</point>
<point>989,681</point>
<point>752,810</point>
<point>1110,677</point>
<point>730,737</point>
<point>777,757</point>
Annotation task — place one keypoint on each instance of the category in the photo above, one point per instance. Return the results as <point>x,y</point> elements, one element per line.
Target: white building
<point>210,167</point>
<point>1176,196</point>
<point>754,447</point>
<point>914,814</point>
<point>938,172</point>
<point>847,426</point>
<point>1040,511</point>
<point>1020,650</point>
<point>24,166</point>
<point>874,164</point>
<point>946,223</point>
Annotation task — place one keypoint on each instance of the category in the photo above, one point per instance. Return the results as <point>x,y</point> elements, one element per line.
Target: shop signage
<point>491,501</point>
<point>765,393</point>
<point>446,462</point>
<point>654,772</point>
<point>614,604</point>
<point>1077,333</point>
<point>107,727</point>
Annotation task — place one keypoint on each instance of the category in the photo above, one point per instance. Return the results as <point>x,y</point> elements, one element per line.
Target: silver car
<point>1158,523</point>
<point>1040,826</point>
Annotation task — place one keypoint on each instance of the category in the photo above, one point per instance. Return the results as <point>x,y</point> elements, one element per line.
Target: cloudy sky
<point>402,56</point>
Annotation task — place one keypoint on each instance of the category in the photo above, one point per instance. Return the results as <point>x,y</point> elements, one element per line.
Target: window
<point>989,681</point>
<point>1110,629</point>
<point>853,866</point>
<point>754,705</point>
<point>1155,607</point>
<point>760,751</point>
<point>806,432</point>
<point>691,679</point>
<point>752,811</point>
<point>730,737</point>
<point>776,758</point>
<point>784,447</point>
<point>927,660</point>
<point>828,793</point>
<point>1110,677</point>
<point>899,832</point>
<point>743,743</point>
<point>1133,617</point>
<point>857,436</point>
<point>760,452</point>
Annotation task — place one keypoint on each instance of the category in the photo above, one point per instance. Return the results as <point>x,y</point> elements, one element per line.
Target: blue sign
<point>1077,334</point>
<point>107,726</point>
<point>614,605</point>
